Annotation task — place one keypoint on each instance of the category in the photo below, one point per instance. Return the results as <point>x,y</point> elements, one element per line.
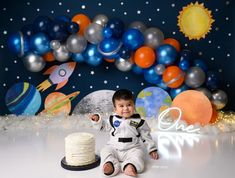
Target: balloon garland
<point>143,50</point>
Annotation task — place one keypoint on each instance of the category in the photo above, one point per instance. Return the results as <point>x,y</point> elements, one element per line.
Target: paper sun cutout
<point>195,21</point>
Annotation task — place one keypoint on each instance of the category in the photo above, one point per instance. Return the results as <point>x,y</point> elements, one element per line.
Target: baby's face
<point>124,108</point>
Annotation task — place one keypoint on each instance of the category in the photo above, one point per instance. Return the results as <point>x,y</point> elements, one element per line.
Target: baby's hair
<point>122,94</point>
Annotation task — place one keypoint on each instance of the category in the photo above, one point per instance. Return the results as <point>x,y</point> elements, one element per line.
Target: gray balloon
<point>94,33</point>
<point>76,43</point>
<point>62,54</point>
<point>195,77</point>
<point>219,99</point>
<point>205,91</point>
<point>159,69</point>
<point>55,44</point>
<point>123,65</point>
<point>100,19</point>
<point>138,25</point>
<point>33,62</point>
<point>153,37</point>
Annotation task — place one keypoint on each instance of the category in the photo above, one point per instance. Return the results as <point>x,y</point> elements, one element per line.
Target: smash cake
<point>80,152</point>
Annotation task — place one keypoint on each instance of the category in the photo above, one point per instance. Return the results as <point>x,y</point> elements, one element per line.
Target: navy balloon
<point>28,30</point>
<point>78,57</point>
<point>63,18</point>
<point>40,43</point>
<point>151,76</point>
<point>212,80</point>
<point>200,63</point>
<point>166,54</point>
<point>136,69</point>
<point>175,91</point>
<point>124,52</point>
<point>57,30</point>
<point>73,27</point>
<point>18,44</point>
<point>186,55</point>
<point>41,23</point>
<point>107,32</point>
<point>92,55</point>
<point>133,39</point>
<point>117,26</point>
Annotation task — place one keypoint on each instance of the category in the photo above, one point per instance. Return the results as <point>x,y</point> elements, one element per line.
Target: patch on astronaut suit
<point>116,123</point>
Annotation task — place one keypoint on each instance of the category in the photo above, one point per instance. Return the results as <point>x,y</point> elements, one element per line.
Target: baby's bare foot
<point>130,170</point>
<point>108,168</point>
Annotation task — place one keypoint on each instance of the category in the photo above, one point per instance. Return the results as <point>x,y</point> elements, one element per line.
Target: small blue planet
<point>151,101</point>
<point>23,99</point>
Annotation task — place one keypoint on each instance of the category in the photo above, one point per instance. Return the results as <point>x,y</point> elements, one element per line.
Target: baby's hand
<point>94,117</point>
<point>154,155</point>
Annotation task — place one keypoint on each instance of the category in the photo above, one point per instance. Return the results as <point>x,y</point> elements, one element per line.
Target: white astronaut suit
<point>124,146</point>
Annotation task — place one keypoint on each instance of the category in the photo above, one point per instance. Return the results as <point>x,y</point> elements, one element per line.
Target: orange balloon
<point>144,57</point>
<point>110,60</point>
<point>195,107</point>
<point>83,21</point>
<point>173,76</point>
<point>214,115</point>
<point>173,42</point>
<point>49,57</point>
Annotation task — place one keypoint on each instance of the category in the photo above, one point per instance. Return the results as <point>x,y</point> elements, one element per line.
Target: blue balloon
<point>78,57</point>
<point>137,70</point>
<point>117,26</point>
<point>133,39</point>
<point>107,32</point>
<point>166,54</point>
<point>162,85</point>
<point>124,52</point>
<point>18,44</point>
<point>200,63</point>
<point>92,55</point>
<point>57,30</point>
<point>184,64</point>
<point>213,80</point>
<point>109,47</point>
<point>73,27</point>
<point>175,91</point>
<point>41,23</point>
<point>151,76</point>
<point>40,43</point>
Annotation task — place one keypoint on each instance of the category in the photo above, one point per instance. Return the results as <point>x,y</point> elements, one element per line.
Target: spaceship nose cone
<point>72,65</point>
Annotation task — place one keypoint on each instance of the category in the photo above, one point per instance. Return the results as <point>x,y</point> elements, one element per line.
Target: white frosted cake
<point>80,149</point>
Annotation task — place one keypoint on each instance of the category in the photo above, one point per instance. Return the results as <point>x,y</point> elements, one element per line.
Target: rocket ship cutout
<point>58,75</point>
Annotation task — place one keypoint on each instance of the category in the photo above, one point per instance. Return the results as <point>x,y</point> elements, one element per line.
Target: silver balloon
<point>76,43</point>
<point>62,54</point>
<point>55,44</point>
<point>34,62</point>
<point>205,91</point>
<point>195,77</point>
<point>100,19</point>
<point>123,65</point>
<point>94,33</point>
<point>138,25</point>
<point>219,99</point>
<point>159,69</point>
<point>153,37</point>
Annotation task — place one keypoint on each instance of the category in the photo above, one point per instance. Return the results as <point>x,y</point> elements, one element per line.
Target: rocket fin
<point>60,85</point>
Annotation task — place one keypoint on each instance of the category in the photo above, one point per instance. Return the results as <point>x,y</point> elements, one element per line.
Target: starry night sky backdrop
<point>217,48</point>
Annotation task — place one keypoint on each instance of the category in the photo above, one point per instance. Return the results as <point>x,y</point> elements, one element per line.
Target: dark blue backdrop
<point>217,48</point>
